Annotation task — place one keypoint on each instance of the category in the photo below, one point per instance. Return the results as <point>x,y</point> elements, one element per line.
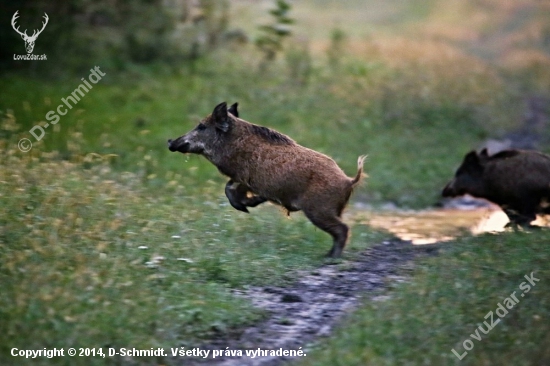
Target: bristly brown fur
<point>270,135</point>
<point>505,154</point>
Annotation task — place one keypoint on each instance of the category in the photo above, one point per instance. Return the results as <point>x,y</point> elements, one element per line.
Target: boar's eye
<point>201,127</point>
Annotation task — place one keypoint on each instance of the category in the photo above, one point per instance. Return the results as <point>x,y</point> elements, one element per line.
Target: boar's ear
<point>220,117</point>
<point>233,109</point>
<point>471,158</point>
<point>483,155</point>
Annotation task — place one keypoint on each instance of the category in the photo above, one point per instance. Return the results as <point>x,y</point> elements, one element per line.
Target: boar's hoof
<point>334,253</point>
<point>239,206</point>
<point>518,219</point>
<point>517,226</point>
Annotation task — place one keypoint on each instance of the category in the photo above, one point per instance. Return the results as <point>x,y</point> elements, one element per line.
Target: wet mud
<point>312,306</point>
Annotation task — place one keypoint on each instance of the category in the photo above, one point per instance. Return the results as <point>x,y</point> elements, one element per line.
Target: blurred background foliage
<point>115,32</point>
<point>395,79</point>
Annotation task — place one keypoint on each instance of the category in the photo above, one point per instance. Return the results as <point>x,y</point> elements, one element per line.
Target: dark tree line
<point>113,32</point>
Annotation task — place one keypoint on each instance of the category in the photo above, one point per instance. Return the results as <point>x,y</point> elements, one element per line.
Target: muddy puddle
<point>309,309</point>
<point>437,225</point>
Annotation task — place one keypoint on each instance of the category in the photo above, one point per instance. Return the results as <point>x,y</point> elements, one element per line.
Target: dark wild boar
<point>516,180</point>
<point>265,165</point>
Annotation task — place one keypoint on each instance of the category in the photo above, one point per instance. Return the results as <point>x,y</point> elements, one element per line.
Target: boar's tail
<point>360,174</point>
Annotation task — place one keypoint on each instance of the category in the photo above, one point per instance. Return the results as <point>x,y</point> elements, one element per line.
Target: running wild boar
<point>516,180</point>
<point>265,165</point>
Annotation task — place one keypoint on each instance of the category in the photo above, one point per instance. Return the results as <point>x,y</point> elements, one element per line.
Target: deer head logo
<point>29,40</point>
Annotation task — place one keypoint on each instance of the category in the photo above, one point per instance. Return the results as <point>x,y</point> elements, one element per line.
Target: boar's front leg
<point>238,196</point>
<point>254,201</point>
<point>236,193</point>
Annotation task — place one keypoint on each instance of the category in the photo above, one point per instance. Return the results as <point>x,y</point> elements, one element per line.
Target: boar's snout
<point>171,145</point>
<point>178,145</point>
<point>449,190</point>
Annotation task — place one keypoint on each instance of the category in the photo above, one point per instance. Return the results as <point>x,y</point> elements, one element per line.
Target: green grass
<point>108,239</point>
<point>445,301</point>
<point>91,257</point>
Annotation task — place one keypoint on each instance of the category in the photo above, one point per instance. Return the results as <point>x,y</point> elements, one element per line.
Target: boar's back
<point>270,135</point>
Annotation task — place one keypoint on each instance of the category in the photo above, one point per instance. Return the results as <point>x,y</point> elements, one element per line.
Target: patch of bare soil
<point>311,307</point>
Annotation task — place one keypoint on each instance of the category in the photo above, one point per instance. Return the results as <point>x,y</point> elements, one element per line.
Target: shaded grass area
<point>445,302</point>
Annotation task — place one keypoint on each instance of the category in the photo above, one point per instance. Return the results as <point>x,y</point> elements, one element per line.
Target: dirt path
<point>311,307</point>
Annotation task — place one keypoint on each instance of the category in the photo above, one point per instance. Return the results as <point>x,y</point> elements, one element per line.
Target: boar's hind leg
<point>238,197</point>
<point>522,214</point>
<point>332,225</point>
